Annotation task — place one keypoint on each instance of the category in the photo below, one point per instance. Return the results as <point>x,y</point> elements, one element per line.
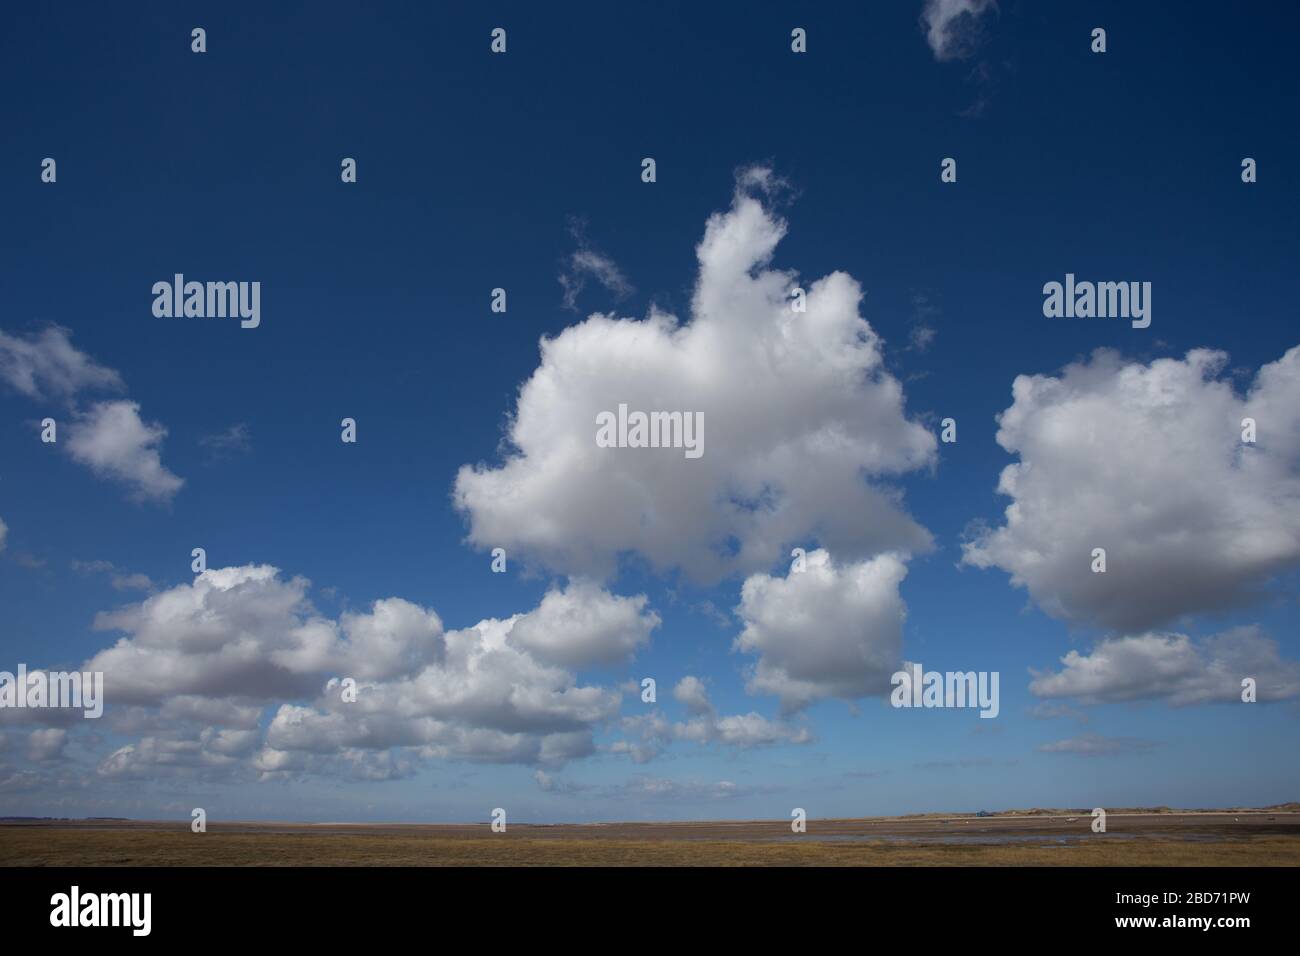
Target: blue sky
<point>478,171</point>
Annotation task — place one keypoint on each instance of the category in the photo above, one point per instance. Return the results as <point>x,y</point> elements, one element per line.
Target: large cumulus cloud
<point>1147,461</point>
<point>801,421</point>
<point>199,664</point>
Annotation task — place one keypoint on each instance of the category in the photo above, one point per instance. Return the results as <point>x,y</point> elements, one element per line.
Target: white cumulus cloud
<point>109,437</point>
<point>737,730</point>
<point>1173,668</point>
<point>802,423</point>
<point>831,630</point>
<point>691,693</point>
<point>1147,461</point>
<point>584,625</point>
<point>220,650</point>
<point>114,442</point>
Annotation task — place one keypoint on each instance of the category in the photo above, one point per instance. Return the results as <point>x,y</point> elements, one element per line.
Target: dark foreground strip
<point>642,907</point>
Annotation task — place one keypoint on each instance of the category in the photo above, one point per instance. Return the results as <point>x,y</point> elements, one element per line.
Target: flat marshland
<point>1039,838</point>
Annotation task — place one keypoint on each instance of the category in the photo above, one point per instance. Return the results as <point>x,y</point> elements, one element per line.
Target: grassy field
<point>846,843</point>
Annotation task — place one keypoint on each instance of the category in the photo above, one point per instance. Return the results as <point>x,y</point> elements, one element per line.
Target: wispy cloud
<point>952,27</point>
<point>47,365</point>
<point>235,440</point>
<point>586,263</point>
<point>120,579</point>
<point>922,333</point>
<point>110,437</point>
<point>1095,745</point>
<point>1046,711</point>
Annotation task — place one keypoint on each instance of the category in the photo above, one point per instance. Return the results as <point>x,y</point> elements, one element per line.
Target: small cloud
<point>647,787</point>
<point>1095,745</point>
<point>922,333</point>
<point>865,774</point>
<point>234,440</point>
<point>1047,711</point>
<point>691,693</point>
<point>92,567</point>
<point>588,263</point>
<point>109,438</point>
<point>714,614</point>
<point>47,365</point>
<point>761,177</point>
<point>967,763</point>
<point>46,744</point>
<point>953,28</point>
<point>132,582</point>
<point>984,80</point>
<point>115,442</point>
<point>121,580</point>
<point>650,734</point>
<point>549,784</point>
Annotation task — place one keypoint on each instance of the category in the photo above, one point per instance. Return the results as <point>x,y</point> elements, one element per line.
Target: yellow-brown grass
<point>47,846</point>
